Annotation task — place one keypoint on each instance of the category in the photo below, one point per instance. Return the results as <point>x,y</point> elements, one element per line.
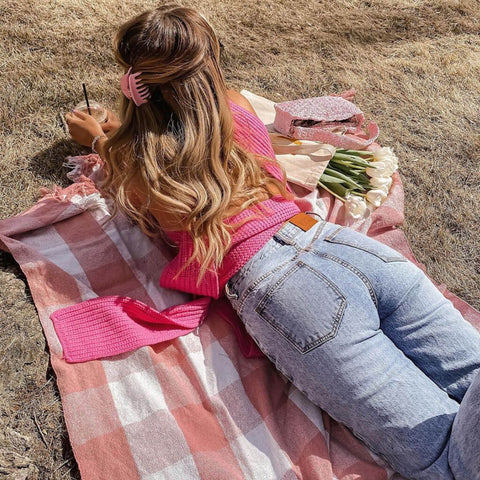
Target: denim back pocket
<point>351,238</point>
<point>304,306</point>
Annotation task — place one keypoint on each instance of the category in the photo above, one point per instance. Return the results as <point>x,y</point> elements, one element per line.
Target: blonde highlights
<point>174,161</point>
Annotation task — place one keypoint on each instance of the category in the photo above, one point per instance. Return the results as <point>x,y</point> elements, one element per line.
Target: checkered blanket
<point>192,408</point>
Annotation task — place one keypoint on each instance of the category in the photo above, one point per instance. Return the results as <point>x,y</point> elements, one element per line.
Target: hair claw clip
<point>133,88</point>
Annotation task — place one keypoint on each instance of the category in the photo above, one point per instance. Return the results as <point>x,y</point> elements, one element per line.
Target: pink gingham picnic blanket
<point>194,407</point>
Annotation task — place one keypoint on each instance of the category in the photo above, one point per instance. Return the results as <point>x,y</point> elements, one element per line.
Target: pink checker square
<point>96,464</point>
<point>78,377</point>
<point>195,421</point>
<point>238,416</point>
<point>220,464</point>
<point>180,384</point>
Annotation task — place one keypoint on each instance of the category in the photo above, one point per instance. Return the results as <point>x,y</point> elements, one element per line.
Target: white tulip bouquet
<point>360,178</point>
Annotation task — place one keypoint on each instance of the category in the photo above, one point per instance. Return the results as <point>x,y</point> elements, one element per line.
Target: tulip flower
<point>376,196</point>
<point>380,169</point>
<point>355,207</point>
<point>385,154</point>
<point>381,182</point>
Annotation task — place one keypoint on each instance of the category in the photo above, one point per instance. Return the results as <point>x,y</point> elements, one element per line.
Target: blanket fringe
<point>93,202</point>
<point>82,194</point>
<point>84,165</point>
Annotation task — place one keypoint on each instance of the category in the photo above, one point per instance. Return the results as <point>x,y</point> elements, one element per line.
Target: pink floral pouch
<point>330,119</point>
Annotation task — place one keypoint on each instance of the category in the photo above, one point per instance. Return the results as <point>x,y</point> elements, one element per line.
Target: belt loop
<point>230,295</point>
<point>316,235</point>
<point>316,214</point>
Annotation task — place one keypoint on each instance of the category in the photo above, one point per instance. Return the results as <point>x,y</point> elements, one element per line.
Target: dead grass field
<point>414,63</point>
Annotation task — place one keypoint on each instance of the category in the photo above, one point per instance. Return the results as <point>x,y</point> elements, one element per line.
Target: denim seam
<point>332,239</point>
<point>354,270</point>
<point>315,237</point>
<point>250,266</point>
<point>278,236</point>
<point>319,341</point>
<point>274,360</point>
<point>246,293</point>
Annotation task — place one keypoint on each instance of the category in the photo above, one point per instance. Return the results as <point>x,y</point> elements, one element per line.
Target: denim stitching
<point>354,270</point>
<point>288,241</point>
<point>317,234</point>
<point>250,265</point>
<point>336,322</point>
<point>310,395</point>
<point>245,294</point>
<point>331,238</point>
<point>273,359</point>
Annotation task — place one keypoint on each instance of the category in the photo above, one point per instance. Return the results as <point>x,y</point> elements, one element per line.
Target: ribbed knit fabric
<point>106,326</point>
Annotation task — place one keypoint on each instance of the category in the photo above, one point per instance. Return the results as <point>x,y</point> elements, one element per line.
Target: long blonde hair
<point>175,154</point>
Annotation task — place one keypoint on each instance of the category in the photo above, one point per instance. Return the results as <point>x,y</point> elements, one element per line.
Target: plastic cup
<point>98,112</point>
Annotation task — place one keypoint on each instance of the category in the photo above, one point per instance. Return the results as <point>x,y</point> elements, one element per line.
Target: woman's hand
<point>112,123</point>
<point>83,128</point>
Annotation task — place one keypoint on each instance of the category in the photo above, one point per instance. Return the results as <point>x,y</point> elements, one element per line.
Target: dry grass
<point>414,63</point>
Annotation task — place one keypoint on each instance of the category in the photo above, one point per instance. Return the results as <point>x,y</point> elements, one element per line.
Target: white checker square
<point>137,396</point>
<point>51,245</point>
<point>214,368</point>
<point>184,469</point>
<point>260,456</point>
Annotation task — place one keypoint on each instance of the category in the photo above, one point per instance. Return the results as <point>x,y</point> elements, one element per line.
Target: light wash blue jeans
<point>368,338</point>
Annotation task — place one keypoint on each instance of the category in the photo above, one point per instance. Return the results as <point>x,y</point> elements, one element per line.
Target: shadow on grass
<point>9,265</point>
<point>49,163</point>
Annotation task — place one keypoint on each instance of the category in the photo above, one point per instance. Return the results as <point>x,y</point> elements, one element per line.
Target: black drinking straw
<point>86,98</point>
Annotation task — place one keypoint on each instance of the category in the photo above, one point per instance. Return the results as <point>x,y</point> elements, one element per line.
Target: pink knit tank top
<point>106,326</point>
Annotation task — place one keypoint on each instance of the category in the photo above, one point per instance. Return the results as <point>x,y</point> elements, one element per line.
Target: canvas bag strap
<point>319,134</point>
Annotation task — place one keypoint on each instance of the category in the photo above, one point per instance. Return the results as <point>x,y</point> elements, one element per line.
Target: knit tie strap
<point>106,326</point>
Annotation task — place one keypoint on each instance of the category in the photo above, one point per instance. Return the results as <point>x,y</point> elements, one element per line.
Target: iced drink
<point>98,112</point>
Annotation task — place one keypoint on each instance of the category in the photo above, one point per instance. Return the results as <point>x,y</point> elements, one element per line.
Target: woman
<point>360,330</point>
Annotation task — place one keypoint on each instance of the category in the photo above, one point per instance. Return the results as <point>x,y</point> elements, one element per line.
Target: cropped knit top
<point>107,326</point>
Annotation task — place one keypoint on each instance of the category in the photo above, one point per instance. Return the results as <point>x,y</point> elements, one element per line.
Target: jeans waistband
<point>290,233</point>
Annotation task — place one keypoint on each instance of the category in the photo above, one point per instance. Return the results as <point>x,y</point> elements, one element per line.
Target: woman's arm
<point>83,129</point>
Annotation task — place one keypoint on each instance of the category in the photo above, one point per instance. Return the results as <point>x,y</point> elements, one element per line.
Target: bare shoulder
<point>239,99</point>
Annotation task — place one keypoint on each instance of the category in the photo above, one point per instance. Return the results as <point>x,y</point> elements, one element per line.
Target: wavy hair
<point>174,159</point>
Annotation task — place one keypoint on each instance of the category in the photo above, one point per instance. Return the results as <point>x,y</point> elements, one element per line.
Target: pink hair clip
<point>133,88</point>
